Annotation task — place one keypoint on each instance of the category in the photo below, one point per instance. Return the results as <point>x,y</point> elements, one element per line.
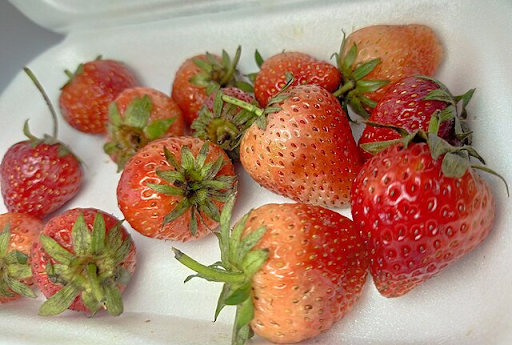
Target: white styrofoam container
<point>468,303</point>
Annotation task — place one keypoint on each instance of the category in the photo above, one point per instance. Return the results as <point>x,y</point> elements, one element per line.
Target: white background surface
<point>468,303</point>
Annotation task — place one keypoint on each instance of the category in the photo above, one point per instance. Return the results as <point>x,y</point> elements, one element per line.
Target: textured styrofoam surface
<point>468,303</point>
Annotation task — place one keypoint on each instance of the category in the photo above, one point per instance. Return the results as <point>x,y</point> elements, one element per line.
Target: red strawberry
<point>292,270</point>
<point>304,68</point>
<point>17,232</point>
<point>174,188</point>
<point>138,116</point>
<point>374,57</point>
<point>83,261</point>
<point>305,149</point>
<point>409,104</point>
<point>224,123</point>
<point>84,99</point>
<point>195,74</point>
<point>419,207</point>
<point>38,176</point>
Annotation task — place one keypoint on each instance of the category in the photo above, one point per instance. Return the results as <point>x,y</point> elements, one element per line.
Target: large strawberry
<point>174,188</point>
<point>17,232</point>
<point>138,116</point>
<point>224,123</point>
<point>305,69</point>
<point>410,104</point>
<point>292,270</point>
<point>84,99</point>
<point>372,58</point>
<point>419,206</point>
<point>302,147</point>
<point>195,74</point>
<point>38,176</point>
<point>82,261</point>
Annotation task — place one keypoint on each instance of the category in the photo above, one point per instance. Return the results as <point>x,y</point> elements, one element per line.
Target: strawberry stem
<point>206,272</point>
<point>36,82</point>
<point>344,88</point>
<point>244,105</point>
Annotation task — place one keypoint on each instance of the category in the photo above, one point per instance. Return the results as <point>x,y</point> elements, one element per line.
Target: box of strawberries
<point>296,171</point>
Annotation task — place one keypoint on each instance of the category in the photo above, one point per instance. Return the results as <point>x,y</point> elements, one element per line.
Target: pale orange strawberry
<point>374,57</point>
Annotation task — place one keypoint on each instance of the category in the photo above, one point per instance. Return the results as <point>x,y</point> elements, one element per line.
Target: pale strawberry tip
<point>92,272</point>
<point>14,267</point>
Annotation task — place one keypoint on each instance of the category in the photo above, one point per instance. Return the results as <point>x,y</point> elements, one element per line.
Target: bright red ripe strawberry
<point>38,176</point>
<point>82,261</point>
<point>224,123</point>
<point>292,270</point>
<point>305,150</point>
<point>138,116</point>
<point>374,57</point>
<point>84,99</point>
<point>305,69</point>
<point>195,74</point>
<point>174,188</point>
<point>419,208</point>
<point>410,104</point>
<point>17,232</point>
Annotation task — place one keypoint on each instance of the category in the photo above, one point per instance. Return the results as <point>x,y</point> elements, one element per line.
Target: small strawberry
<point>409,104</point>
<point>419,206</point>
<point>292,270</point>
<point>372,58</point>
<point>138,116</point>
<point>305,68</point>
<point>195,74</point>
<point>84,99</point>
<point>224,123</point>
<point>174,188</point>
<point>17,232</point>
<point>38,176</point>
<point>82,261</point>
<point>302,147</point>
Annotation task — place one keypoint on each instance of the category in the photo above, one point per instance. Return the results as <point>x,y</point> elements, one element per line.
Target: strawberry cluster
<point>292,270</point>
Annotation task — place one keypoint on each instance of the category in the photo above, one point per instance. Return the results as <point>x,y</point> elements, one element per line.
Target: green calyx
<point>259,114</point>
<point>353,88</point>
<point>14,268</point>
<point>197,183</point>
<point>456,160</point>
<point>224,125</point>
<point>93,272</point>
<point>134,130</point>
<point>239,262</point>
<point>222,72</point>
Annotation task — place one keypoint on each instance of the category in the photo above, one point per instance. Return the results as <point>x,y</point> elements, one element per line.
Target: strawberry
<point>372,58</point>
<point>302,147</point>
<point>138,116</point>
<point>420,206</point>
<point>17,232</point>
<point>38,176</point>
<point>82,261</point>
<point>409,104</point>
<point>84,99</point>
<point>174,188</point>
<point>292,270</point>
<point>195,74</point>
<point>224,123</point>
<point>305,68</point>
